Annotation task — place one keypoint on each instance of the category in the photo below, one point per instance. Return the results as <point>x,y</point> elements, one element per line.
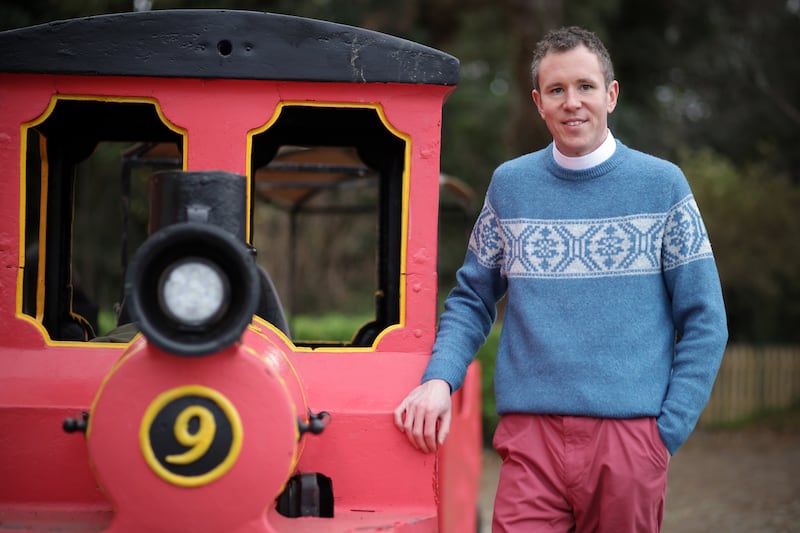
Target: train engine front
<point>210,401</point>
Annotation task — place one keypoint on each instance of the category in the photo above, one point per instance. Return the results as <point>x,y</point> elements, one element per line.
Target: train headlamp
<point>192,288</point>
<point>194,291</point>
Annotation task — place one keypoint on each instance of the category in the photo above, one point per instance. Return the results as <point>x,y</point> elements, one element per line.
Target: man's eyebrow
<point>579,81</point>
<point>552,85</point>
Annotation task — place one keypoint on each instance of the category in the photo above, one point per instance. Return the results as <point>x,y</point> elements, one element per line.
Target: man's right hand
<point>424,415</point>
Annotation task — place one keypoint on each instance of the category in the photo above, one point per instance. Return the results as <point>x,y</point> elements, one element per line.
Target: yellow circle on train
<point>190,435</point>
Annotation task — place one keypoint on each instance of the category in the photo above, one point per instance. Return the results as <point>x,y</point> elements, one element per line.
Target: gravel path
<point>745,481</point>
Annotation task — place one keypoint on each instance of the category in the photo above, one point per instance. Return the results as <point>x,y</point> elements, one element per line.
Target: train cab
<point>201,407</point>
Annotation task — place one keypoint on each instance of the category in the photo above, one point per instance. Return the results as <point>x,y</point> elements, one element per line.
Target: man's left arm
<point>698,312</point>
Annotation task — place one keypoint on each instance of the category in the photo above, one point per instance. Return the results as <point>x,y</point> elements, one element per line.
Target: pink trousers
<point>581,474</point>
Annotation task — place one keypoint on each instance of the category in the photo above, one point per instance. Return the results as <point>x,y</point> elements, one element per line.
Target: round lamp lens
<point>193,292</point>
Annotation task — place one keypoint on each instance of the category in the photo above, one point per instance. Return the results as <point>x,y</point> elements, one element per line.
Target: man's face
<point>574,101</point>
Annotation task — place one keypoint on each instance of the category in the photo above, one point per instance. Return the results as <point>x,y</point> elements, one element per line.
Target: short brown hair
<point>565,39</point>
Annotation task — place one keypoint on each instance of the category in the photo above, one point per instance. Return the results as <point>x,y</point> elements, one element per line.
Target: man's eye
<point>586,87</point>
<point>557,90</point>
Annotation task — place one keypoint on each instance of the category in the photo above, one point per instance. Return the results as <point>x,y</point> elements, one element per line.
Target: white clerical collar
<point>600,154</point>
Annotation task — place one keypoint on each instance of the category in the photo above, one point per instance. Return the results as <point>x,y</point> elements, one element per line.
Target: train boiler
<point>202,412</point>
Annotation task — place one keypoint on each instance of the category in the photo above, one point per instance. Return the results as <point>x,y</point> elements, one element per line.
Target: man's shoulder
<point>645,159</point>
<point>525,162</point>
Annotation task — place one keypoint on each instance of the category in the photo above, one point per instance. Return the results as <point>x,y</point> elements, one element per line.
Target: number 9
<point>198,442</point>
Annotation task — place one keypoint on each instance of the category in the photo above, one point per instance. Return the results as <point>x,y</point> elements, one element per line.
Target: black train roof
<point>207,43</point>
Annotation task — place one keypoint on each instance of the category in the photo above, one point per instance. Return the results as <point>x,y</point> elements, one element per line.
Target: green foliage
<point>106,321</point>
<point>327,327</point>
<point>751,216</point>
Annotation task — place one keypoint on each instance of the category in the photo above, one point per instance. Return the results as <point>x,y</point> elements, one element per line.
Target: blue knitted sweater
<point>614,305</point>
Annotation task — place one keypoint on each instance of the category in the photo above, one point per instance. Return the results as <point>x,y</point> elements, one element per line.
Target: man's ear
<point>537,99</point>
<point>613,95</point>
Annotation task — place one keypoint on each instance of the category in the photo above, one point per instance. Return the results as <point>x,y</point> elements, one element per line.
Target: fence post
<point>752,380</point>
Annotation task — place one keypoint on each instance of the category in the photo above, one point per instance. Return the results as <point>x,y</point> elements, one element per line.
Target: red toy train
<point>206,414</point>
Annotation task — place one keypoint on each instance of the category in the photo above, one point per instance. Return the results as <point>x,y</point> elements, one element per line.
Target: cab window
<point>328,220</point>
<point>81,218</point>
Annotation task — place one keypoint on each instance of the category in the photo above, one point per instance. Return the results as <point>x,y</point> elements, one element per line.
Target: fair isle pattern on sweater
<point>620,246</point>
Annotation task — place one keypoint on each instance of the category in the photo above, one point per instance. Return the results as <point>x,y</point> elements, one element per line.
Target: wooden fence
<point>753,380</point>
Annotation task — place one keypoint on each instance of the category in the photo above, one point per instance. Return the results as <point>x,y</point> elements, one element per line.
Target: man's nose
<point>572,99</point>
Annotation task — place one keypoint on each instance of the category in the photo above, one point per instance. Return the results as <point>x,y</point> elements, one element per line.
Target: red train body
<point>224,421</point>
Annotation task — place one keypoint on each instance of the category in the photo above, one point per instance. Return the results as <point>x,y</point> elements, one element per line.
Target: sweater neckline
<point>585,174</point>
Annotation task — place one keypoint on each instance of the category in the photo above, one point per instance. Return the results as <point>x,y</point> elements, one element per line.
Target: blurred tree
<point>715,74</point>
<point>751,214</point>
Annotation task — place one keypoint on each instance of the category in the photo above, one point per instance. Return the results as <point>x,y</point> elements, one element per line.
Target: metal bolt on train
<point>201,411</point>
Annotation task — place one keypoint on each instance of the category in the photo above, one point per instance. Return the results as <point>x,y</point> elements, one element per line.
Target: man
<point>614,327</point>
